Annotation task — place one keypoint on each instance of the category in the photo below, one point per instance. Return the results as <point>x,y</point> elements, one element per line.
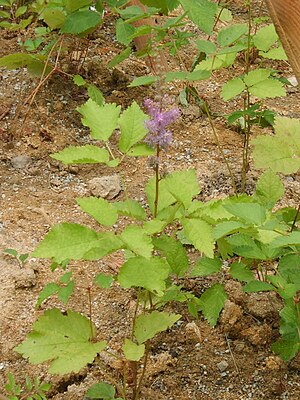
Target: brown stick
<point>286,18</point>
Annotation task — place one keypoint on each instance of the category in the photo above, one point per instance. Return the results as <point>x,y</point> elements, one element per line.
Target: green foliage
<point>133,351</point>
<point>211,303</point>
<point>102,391</point>
<point>101,210</point>
<point>201,12</point>
<point>31,389</point>
<point>64,340</point>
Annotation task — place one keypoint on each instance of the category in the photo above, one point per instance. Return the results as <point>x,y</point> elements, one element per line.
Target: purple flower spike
<point>161,116</point>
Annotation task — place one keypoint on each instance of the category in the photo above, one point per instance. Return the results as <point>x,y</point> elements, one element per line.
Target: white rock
<point>106,187</point>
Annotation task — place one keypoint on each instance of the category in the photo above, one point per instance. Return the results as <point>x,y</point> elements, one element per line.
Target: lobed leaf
<point>133,351</point>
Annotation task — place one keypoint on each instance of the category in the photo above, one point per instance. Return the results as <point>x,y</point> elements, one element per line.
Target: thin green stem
<point>147,350</point>
<point>156,181</point>
<point>295,219</point>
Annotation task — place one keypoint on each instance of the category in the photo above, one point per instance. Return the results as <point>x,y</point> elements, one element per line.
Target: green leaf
<point>149,325</point>
<point>140,150</point>
<point>206,266</point>
<point>165,197</point>
<point>265,37</point>
<point>269,189</point>
<point>256,76</point>
<point>183,185</point>
<point>101,120</point>
<point>251,213</point>
<point>136,239</point>
<point>281,152</point>
<point>174,252</point>
<point>146,273</point>
<point>11,252</point>
<point>269,88</point>
<point>227,228</point>
<point>144,80</point>
<point>65,292</point>
<point>18,60</point>
<point>175,75</point>
<point>64,340</point>
<point>130,208</point>
<point>276,53</point>
<point>87,154</point>
<point>286,349</point>
<point>258,286</point>
<point>198,75</point>
<point>104,281</point>
<point>232,88</point>
<point>245,246</point>
<point>80,22</point>
<point>73,5</point>
<point>201,12</point>
<point>96,95</point>
<point>206,46</point>
<point>133,351</point>
<point>289,267</point>
<point>120,57</point>
<point>211,303</point>
<point>154,226</point>
<point>65,278</point>
<point>241,272</point>
<point>103,391</point>
<point>100,209</point>
<point>47,291</point>
<point>20,11</point>
<point>74,241</point>
<point>54,17</point>
<point>132,126</point>
<point>288,240</point>
<point>200,234</point>
<point>78,80</point>
<point>230,34</point>
<point>124,32</point>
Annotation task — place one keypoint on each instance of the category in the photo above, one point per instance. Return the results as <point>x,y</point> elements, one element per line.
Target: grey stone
<point>222,365</point>
<point>20,162</point>
<point>107,187</point>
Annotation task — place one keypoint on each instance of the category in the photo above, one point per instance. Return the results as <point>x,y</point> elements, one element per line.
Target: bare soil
<point>192,360</point>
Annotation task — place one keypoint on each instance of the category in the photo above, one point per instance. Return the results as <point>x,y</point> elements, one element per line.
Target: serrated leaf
<point>54,17</point>
<point>154,226</point>
<point>289,267</point>
<point>201,12</point>
<point>104,281</point>
<point>265,37</point>
<point>258,286</point>
<point>200,234</point>
<point>65,292</point>
<point>198,75</point>
<point>227,228</point>
<point>144,80</point>
<point>245,246</point>
<point>251,213</point>
<point>148,273</point>
<point>124,32</point>
<point>47,291</point>
<point>174,252</point>
<point>212,302</point>
<point>75,241</point>
<point>183,185</point>
<point>78,80</point>
<point>130,208</point>
<point>140,150</point>
<point>132,126</point>
<point>268,88</point>
<point>165,197</point>
<point>64,340</point>
<point>73,5</point>
<point>206,266</point>
<point>287,240</point>
<point>241,272</point>
<point>87,154</point>
<point>230,34</point>
<point>137,240</point>
<point>17,60</point>
<point>206,46</point>
<point>120,57</point>
<point>102,391</point>
<point>100,209</point>
<point>175,75</point>
<point>102,121</point>
<point>256,76</point>
<point>133,351</point>
<point>269,189</point>
<point>96,95</point>
<point>149,325</point>
<point>80,22</point>
<point>277,53</point>
<point>281,152</point>
<point>232,88</point>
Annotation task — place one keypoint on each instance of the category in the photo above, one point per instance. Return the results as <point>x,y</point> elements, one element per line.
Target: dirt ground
<point>191,361</point>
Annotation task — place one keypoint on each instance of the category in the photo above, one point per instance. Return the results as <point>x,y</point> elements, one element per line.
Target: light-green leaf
<point>133,351</point>
<point>206,266</point>
<point>87,154</point>
<point>232,88</point>
<point>100,209</point>
<point>251,213</point>
<point>241,272</point>
<point>54,17</point>
<point>124,32</point>
<point>211,303</point>
<point>102,121</point>
<point>136,239</point>
<point>104,281</point>
<point>146,273</point>
<point>229,35</point>
<point>258,286</point>
<point>200,234</point>
<point>120,57</point>
<point>73,5</point>
<point>269,189</point>
<point>96,95</point>
<point>132,126</point>
<point>268,88</point>
<point>101,391</point>
<point>226,228</point>
<point>206,46</point>
<point>81,22</point>
<point>201,12</point>
<point>140,150</point>
<point>265,37</point>
<point>183,185</point>
<point>165,197</point>
<point>148,325</point>
<point>144,80</point>
<point>256,76</point>
<point>130,208</point>
<point>47,291</point>
<point>64,340</point>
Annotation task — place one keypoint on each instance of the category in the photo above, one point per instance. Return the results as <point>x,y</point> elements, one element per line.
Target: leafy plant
<point>31,390</point>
